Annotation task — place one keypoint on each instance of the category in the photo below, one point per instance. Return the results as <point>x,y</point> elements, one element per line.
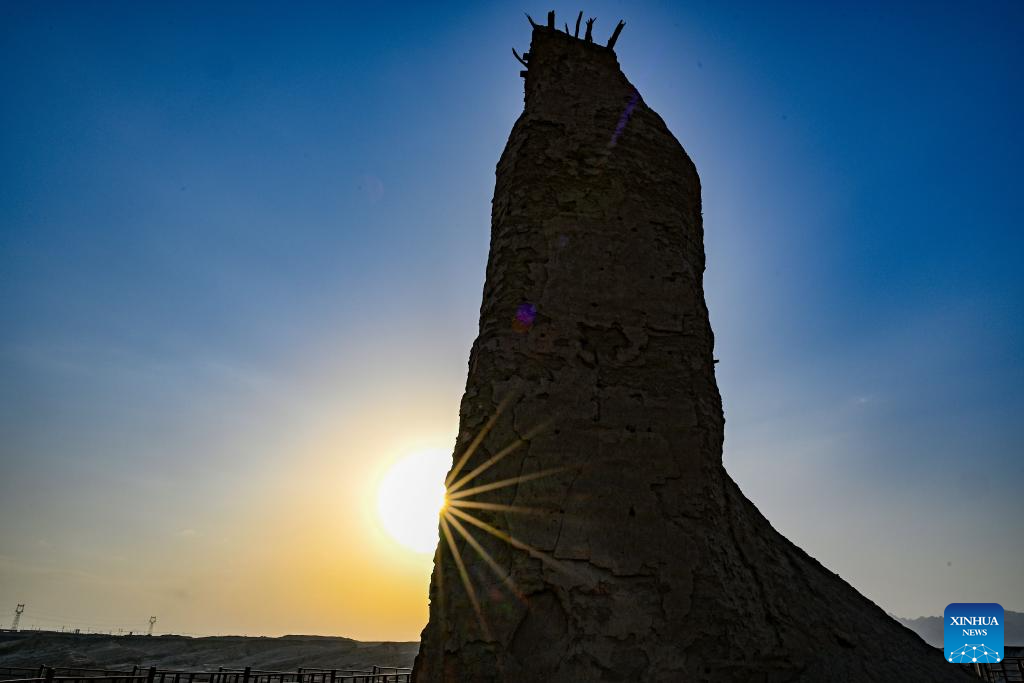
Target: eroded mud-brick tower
<point>592,533</point>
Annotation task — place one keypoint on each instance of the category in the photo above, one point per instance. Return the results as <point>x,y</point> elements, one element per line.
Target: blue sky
<point>242,249</point>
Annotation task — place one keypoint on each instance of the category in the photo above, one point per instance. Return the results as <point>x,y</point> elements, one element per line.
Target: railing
<point>47,674</point>
<point>1009,670</point>
<point>377,674</point>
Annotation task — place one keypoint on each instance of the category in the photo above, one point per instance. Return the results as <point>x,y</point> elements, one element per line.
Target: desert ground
<point>287,653</point>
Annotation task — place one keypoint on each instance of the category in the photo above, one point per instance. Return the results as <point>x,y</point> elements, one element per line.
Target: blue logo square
<point>972,633</point>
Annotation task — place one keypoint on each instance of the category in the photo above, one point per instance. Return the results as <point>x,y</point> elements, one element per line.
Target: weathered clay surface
<point>594,319</point>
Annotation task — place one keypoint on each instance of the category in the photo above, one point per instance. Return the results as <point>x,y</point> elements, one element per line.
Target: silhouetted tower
<point>591,531</point>
<point>152,622</point>
<point>18,611</point>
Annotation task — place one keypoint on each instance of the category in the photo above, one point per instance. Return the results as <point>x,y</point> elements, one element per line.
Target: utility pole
<point>17,616</point>
<point>152,620</point>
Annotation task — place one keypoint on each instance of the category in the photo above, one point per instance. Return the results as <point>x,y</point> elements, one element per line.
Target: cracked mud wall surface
<point>645,561</point>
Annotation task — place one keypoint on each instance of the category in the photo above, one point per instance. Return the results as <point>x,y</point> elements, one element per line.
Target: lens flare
<point>524,317</point>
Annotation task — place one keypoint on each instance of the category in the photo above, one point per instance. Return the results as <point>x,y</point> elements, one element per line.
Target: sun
<point>410,499</point>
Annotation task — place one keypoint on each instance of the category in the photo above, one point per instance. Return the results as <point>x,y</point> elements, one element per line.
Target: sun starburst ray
<point>494,459</point>
<point>482,488</point>
<point>499,507</point>
<point>514,542</point>
<point>470,591</point>
<point>503,576</point>
<point>475,443</point>
<point>486,464</point>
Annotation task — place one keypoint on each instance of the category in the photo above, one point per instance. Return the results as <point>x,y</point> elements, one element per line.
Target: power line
<point>17,616</point>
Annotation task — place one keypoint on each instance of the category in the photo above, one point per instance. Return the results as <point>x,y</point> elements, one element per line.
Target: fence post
<point>151,674</point>
<point>49,674</point>
<point>334,674</point>
<point>245,676</point>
